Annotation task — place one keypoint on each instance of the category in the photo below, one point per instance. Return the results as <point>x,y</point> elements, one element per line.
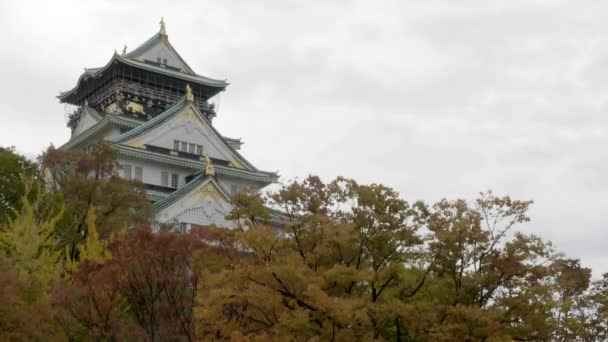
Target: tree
<point>596,315</point>
<point>92,249</point>
<point>89,180</point>
<point>30,267</point>
<point>92,305</point>
<point>145,290</point>
<point>28,246</point>
<point>14,172</point>
<point>329,276</point>
<point>21,318</point>
<point>357,262</point>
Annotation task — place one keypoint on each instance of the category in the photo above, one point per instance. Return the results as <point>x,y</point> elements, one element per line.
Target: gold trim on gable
<point>208,190</point>
<point>237,164</point>
<point>136,143</point>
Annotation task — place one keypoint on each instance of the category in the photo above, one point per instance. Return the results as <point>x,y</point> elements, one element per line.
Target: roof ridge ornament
<point>189,95</point>
<point>163,29</point>
<point>124,49</point>
<point>209,169</point>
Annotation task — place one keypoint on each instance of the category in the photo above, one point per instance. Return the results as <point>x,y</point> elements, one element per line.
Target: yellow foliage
<point>27,246</point>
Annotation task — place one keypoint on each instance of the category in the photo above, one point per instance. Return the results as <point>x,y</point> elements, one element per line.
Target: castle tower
<point>154,110</point>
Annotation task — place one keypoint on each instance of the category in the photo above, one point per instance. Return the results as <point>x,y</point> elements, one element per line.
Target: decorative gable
<point>158,50</point>
<point>186,126</point>
<point>163,54</point>
<point>203,204</point>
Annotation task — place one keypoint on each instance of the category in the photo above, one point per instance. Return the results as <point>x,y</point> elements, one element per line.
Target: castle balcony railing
<point>167,96</point>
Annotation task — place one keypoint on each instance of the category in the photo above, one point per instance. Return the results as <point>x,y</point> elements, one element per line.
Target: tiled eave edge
<point>97,128</point>
<point>154,197</point>
<point>261,177</point>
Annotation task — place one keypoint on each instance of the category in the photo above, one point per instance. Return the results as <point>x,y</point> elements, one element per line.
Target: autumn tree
<point>90,180</point>
<point>30,267</point>
<point>28,245</point>
<point>145,290</point>
<point>355,261</point>
<point>329,275</point>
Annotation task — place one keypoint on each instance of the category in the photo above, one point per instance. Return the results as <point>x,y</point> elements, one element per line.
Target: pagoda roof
<point>97,72</point>
<point>173,110</point>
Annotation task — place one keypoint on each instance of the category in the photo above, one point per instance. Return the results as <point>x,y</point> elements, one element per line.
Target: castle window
<point>176,145</point>
<point>138,173</point>
<point>164,178</point>
<point>174,180</point>
<point>126,171</point>
<point>184,147</point>
<point>158,60</point>
<point>191,148</point>
<point>164,61</point>
<point>199,150</point>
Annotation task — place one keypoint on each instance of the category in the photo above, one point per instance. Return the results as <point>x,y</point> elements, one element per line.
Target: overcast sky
<point>434,98</point>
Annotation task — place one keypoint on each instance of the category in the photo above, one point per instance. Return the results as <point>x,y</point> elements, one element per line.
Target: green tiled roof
<point>95,72</point>
<point>101,124</point>
<point>175,196</point>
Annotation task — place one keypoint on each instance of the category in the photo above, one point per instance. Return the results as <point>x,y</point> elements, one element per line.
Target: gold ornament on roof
<point>163,29</point>
<point>209,169</point>
<point>189,95</point>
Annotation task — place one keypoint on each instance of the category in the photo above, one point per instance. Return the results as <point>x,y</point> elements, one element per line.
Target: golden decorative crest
<point>189,95</point>
<point>209,169</point>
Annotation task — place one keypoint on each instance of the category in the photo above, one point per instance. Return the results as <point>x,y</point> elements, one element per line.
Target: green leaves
<point>15,172</point>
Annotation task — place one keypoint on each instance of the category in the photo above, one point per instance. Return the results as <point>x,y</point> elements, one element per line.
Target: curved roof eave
<point>94,72</point>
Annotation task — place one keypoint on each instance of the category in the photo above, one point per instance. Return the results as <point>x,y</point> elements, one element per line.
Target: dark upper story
<point>143,82</point>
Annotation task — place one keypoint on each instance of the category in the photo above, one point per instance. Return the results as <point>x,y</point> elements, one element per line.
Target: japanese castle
<point>155,111</point>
